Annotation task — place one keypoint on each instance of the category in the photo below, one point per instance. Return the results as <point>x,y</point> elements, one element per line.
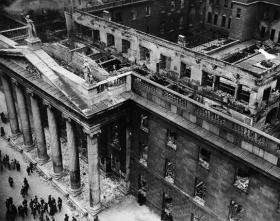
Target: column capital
<point>30,92</point>
<point>14,81</point>
<point>66,117</point>
<point>47,103</point>
<point>91,132</point>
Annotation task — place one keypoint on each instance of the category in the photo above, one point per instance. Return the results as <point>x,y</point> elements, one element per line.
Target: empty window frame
<point>148,10</point>
<point>165,62</point>
<point>185,70</point>
<point>236,211</point>
<point>144,53</point>
<point>171,139</point>
<point>110,40</point>
<point>238,13</point>
<point>143,154</point>
<point>166,207</point>
<point>272,34</point>
<point>227,86</point>
<point>215,19</point>
<point>204,158</point>
<point>169,171</point>
<point>241,180</point>
<point>125,46</point>
<point>225,3</point>
<point>209,17</point>
<point>144,123</point>
<point>244,94</point>
<point>229,23</point>
<point>263,30</point>
<point>200,191</point>
<point>207,79</point>
<point>224,19</point>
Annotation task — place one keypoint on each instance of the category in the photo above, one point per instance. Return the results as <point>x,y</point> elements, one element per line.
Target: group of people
<point>9,164</point>
<point>24,188</point>
<point>30,168</point>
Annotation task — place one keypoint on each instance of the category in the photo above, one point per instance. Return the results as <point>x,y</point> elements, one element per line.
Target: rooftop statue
<point>87,71</point>
<point>31,27</point>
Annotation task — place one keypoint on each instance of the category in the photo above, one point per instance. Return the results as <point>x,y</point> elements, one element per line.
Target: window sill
<point>199,200</point>
<point>143,162</point>
<point>144,129</point>
<point>173,146</point>
<point>169,180</point>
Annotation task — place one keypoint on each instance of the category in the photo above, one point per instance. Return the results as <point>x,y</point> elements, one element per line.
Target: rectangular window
<point>229,23</point>
<point>200,191</point>
<point>244,94</point>
<point>236,211</point>
<point>278,37</point>
<point>166,207</point>
<point>204,158</point>
<point>133,15</point>
<point>144,53</point>
<point>169,171</point>
<point>224,18</point>
<point>143,154</point>
<point>118,17</point>
<point>263,30</point>
<point>148,10</point>
<point>165,62</point>
<point>110,40</point>
<point>272,34</point>
<point>238,13</point>
<point>226,3</point>
<point>207,79</point>
<point>185,70</point>
<point>231,5</point>
<point>215,19</point>
<point>209,17</point>
<point>171,139</point>
<point>125,46</point>
<point>144,123</point>
<point>241,180</point>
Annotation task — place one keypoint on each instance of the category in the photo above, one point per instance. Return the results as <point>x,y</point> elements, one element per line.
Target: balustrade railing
<point>149,89</point>
<point>111,5</point>
<point>15,33</point>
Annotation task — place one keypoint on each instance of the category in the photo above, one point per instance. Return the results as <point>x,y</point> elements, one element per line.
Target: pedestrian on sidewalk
<point>31,166</point>
<point>2,132</point>
<point>59,204</point>
<point>74,219</point>
<point>18,166</point>
<point>96,218</point>
<point>26,184</point>
<point>20,211</point>
<point>53,218</point>
<point>28,170</point>
<point>66,218</point>
<point>11,181</point>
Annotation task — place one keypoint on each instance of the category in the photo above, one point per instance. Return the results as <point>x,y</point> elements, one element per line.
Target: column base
<point>95,209</point>
<point>42,161</point>
<point>15,135</point>
<point>57,176</point>
<point>75,192</point>
<point>28,148</point>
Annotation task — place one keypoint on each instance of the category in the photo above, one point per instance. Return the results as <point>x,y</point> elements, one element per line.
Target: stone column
<point>10,103</point>
<point>93,169</point>
<point>237,89</point>
<point>128,151</point>
<point>24,118</point>
<point>56,154</point>
<point>43,156</point>
<point>74,166</point>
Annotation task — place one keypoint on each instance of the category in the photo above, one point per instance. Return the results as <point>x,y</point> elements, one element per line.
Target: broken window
<point>209,18</point>
<point>144,53</point>
<point>224,18</point>
<point>142,189</point>
<point>110,40</point>
<point>200,191</point>
<point>215,19</point>
<point>185,70</point>
<point>227,86</point>
<point>144,124</point>
<point>143,154</point>
<point>241,180</point>
<point>207,79</point>
<point>236,212</point>
<point>125,46</point>
<point>204,158</point>
<point>148,10</point>
<point>165,62</point>
<point>238,13</point>
<point>244,94</point>
<point>169,173</point>
<point>166,207</point>
<point>171,139</point>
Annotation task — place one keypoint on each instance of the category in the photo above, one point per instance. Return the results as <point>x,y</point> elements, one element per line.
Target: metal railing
<point>16,34</point>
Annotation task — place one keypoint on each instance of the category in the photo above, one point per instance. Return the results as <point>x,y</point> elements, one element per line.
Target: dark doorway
<point>270,118</point>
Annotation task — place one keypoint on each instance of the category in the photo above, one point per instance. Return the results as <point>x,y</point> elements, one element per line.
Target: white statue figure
<point>87,71</point>
<point>31,27</point>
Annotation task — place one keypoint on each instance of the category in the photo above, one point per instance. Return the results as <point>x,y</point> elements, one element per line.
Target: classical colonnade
<point>56,153</point>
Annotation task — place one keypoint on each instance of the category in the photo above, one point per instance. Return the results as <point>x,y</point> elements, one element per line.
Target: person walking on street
<point>11,181</point>
<point>66,218</point>
<point>28,170</point>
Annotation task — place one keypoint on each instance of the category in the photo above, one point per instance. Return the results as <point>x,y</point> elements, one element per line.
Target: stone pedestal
<point>34,43</point>
<point>24,118</point>
<point>10,103</point>
<point>43,156</point>
<point>74,166</point>
<point>56,154</point>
